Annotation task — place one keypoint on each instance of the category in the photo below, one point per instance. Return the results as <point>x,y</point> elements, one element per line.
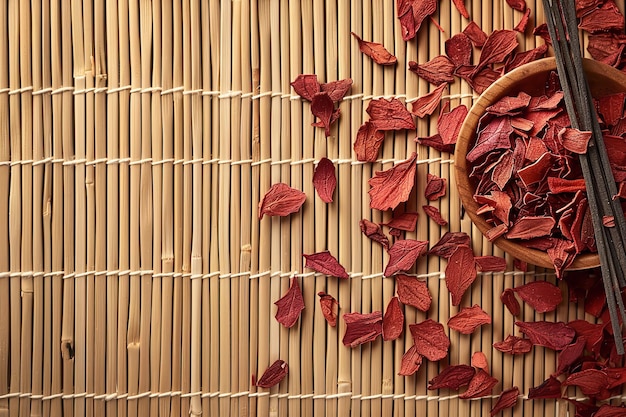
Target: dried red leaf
<point>393,186</point>
<point>460,6</point>
<point>480,386</point>
<point>362,328</point>
<point>389,114</point>
<point>479,361</point>
<point>525,57</point>
<point>592,382</point>
<point>290,305</point>
<point>435,187</point>
<point>531,227</point>
<point>507,399</point>
<point>329,307</point>
<point>403,221</point>
<point>460,273</point>
<point>306,86</point>
<point>499,44</point>
<point>324,180</point>
<point>550,388</point>
<point>412,13</point>
<point>496,135</point>
<point>436,142</point>
<point>592,334</point>
<point>570,354</point>
<point>336,90</point>
<point>435,215</point>
<point>428,103</point>
<point>540,295</point>
<point>273,375</point>
<point>508,299</point>
<point>475,34</point>
<point>374,232</point>
<point>449,124</point>
<point>368,141</point>
<point>448,243</point>
<point>519,5</point>
<point>490,263</point>
<point>436,71</point>
<point>452,377</point>
<point>514,345</point>
<point>376,51</point>
<point>561,185</point>
<point>542,32</point>
<point>608,410</point>
<point>325,263</point>
<point>403,255</point>
<point>430,339</point>
<point>605,18</point>
<point>459,49</point>
<point>574,140</point>
<point>551,335</point>
<point>322,107</point>
<point>523,22</point>
<point>469,319</point>
<point>281,200</point>
<point>393,320</point>
<point>411,362</point>
<point>509,105</point>
<point>413,292</point>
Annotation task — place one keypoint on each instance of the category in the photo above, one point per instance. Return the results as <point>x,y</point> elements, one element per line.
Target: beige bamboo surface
<point>137,138</point>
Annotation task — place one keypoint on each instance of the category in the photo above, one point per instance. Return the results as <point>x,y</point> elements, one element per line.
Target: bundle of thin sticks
<point>601,188</point>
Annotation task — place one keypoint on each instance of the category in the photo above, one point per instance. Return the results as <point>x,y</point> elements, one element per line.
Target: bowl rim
<point>465,187</point>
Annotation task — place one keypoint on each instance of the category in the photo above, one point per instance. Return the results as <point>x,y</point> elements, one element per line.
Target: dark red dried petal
<point>469,319</point>
<point>574,140</point>
<point>403,221</point>
<point>306,86</point>
<point>449,124</point>
<point>459,49</point>
<point>273,375</point>
<point>531,227</point>
<point>412,13</point>
<point>389,115</point>
<point>497,47</point>
<point>489,263</point>
<point>393,186</point>
<point>290,305</point>
<point>452,377</point>
<point>551,335</point>
<point>540,295</point>
<point>605,18</point>
<point>460,6</point>
<point>413,292</point>
<point>403,255</point>
<point>428,103</point>
<point>593,334</point>
<point>514,345</point>
<point>592,382</point>
<point>368,141</point>
<point>411,362</point>
<point>325,263</point>
<point>570,354</point>
<point>281,200</point>
<point>376,51</point>
<point>430,339</point>
<point>322,107</point>
<point>507,399</point>
<point>508,299</point>
<point>436,142</point>
<point>608,410</point>
<point>521,25</point>
<point>362,328</point>
<point>435,215</point>
<point>324,180</point>
<point>460,273</point>
<point>479,361</point>
<point>448,243</point>
<point>519,5</point>
<point>436,71</point>
<point>480,386</point>
<point>550,388</point>
<point>393,320</point>
<point>435,187</point>
<point>475,34</point>
<point>374,232</point>
<point>329,307</point>
<point>336,90</point>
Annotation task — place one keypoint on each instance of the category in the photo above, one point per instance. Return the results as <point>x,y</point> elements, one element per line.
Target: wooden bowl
<point>530,78</point>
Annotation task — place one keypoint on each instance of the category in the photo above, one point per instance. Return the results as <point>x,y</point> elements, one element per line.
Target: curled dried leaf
<point>368,141</point>
<point>540,295</point>
<point>479,361</point>
<point>550,388</point>
<point>376,51</point>
<point>374,232</point>
<point>411,362</point>
<point>329,307</point>
<point>480,386</point>
<point>448,243</point>
<point>428,103</point>
<point>437,71</point>
<point>460,273</point>
<point>435,187</point>
<point>306,86</point>
<point>389,115</point>
<point>508,299</point>
<point>435,215</point>
<point>514,345</point>
<point>489,263</point>
<point>544,333</point>
<point>323,108</point>
<point>507,399</point>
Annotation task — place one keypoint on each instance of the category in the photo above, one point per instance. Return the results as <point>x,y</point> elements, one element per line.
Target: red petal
<point>479,361</point>
<point>592,334</point>
<point>367,142</point>
<point>605,18</point>
<point>453,377</point>
<point>376,51</point>
<point>413,292</point>
<point>460,273</point>
<point>570,355</point>
<point>393,186</point>
<point>523,22</point>
<point>530,227</point>
<point>403,221</point>
<point>322,107</point>
<point>511,303</point>
<point>426,104</point>
<point>325,263</point>
<point>373,231</point>
<point>608,410</point>
<point>290,305</point>
<point>324,180</point>
<point>281,200</point>
<point>469,319</point>
<point>306,86</point>
<point>435,187</point>
<point>327,304</point>
<point>273,375</point>
<point>561,185</point>
<point>507,399</point>
<point>497,46</point>
<point>574,140</point>
<point>519,5</point>
<point>435,215</point>
<point>403,254</point>
<point>336,90</point>
<point>476,34</point>
<point>490,263</point>
<point>551,335</point>
<point>393,320</point>
<point>550,388</point>
<point>592,382</point>
<point>430,339</point>
<point>412,13</point>
<point>480,386</point>
<point>411,362</point>
<point>389,115</point>
<point>459,49</point>
<point>448,243</point>
<point>540,295</point>
<point>362,328</point>
<point>514,345</point>
<point>449,124</point>
<point>436,71</point>
<point>460,6</point>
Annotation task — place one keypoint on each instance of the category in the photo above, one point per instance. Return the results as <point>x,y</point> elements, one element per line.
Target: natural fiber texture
<point>136,141</point>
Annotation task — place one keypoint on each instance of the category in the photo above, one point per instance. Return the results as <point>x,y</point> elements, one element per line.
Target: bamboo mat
<point>136,140</point>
